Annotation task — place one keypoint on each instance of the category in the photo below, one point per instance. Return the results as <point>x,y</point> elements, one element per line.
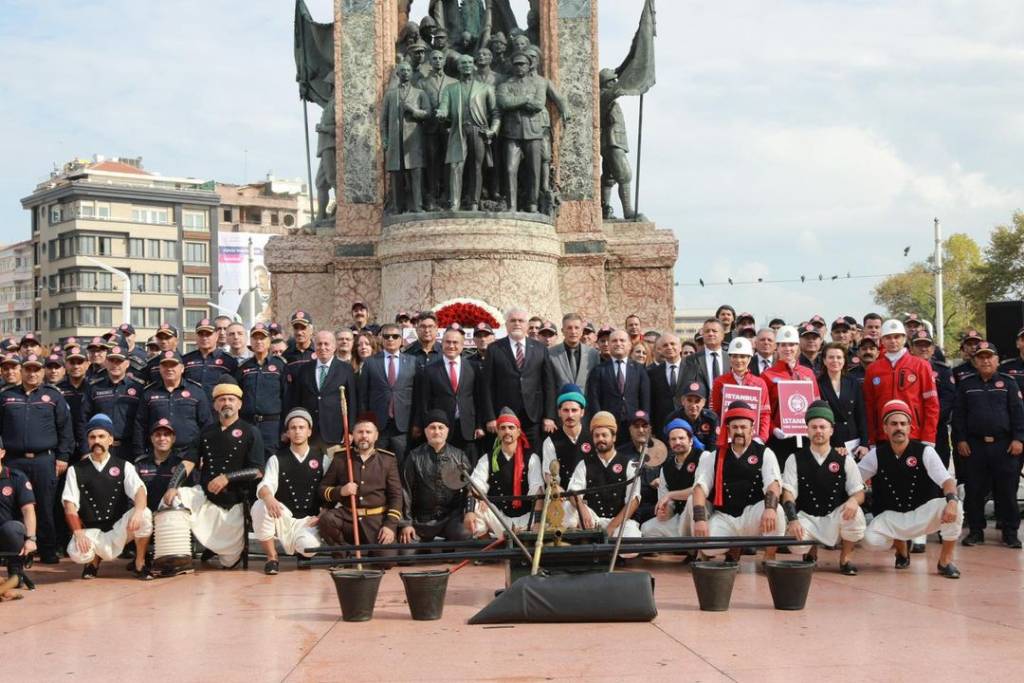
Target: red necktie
<point>452,377</point>
<point>520,356</point>
<point>620,377</point>
<point>392,376</point>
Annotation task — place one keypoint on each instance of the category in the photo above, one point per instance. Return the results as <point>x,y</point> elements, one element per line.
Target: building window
<point>87,316</point>
<point>138,317</point>
<point>152,215</point>
<point>153,284</point>
<point>274,219</point>
<point>172,316</point>
<point>153,317</point>
<point>106,316</point>
<point>138,283</point>
<point>227,215</point>
<point>253,216</point>
<point>170,249</point>
<point>136,248</point>
<point>195,252</point>
<point>170,284</point>
<point>193,316</point>
<point>194,220</point>
<point>54,214</point>
<point>86,210</point>
<point>196,285</point>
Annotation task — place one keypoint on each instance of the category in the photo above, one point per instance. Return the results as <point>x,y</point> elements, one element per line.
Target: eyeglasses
<point>391,336</point>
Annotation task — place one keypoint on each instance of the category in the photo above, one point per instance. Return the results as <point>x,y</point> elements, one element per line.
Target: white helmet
<point>787,334</point>
<point>740,346</point>
<point>893,327</point>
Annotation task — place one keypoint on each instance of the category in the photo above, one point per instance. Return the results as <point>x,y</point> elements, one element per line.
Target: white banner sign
<point>237,294</point>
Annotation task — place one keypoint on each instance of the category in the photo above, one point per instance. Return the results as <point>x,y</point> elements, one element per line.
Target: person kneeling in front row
<point>104,503</point>
<point>912,492</point>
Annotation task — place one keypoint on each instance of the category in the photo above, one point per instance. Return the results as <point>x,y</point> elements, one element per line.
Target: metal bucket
<point>357,592</point>
<point>714,582</point>
<point>425,593</point>
<point>789,582</point>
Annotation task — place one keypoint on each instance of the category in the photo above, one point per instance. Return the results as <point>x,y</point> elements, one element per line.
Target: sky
<point>783,138</point>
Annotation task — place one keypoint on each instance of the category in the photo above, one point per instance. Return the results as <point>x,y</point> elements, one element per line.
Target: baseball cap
<point>482,330</point>
<point>205,325</point>
<point>809,330</point>
<point>695,389</point>
<point>301,318</point>
<point>983,348</point>
<point>170,357</point>
<point>167,330</point>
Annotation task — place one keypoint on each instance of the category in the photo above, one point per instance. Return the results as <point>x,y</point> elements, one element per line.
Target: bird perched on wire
<point>906,250</point>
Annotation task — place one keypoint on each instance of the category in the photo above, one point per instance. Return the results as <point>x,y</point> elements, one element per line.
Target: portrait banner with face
<point>794,399</point>
<point>233,272</point>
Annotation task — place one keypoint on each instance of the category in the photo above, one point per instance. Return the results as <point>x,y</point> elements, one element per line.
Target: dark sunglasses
<point>391,336</point>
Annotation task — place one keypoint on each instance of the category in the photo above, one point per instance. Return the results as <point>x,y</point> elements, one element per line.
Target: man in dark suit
<point>664,378</point>
<point>454,385</point>
<point>705,366</point>
<point>572,360</point>
<point>316,387</point>
<point>386,390</point>
<point>764,345</point>
<point>619,386</point>
<point>518,376</point>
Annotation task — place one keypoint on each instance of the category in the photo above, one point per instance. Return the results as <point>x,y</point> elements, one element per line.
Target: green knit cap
<point>820,409</point>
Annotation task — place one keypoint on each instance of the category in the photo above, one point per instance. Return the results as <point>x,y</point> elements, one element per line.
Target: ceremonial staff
<point>351,478</point>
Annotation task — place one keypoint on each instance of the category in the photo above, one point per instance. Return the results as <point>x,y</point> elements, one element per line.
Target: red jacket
<point>763,429</point>
<point>910,380</point>
<point>782,372</point>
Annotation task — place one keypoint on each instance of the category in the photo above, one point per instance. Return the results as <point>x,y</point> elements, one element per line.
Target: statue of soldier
<point>551,94</point>
<point>521,100</point>
<point>614,148</point>
<point>471,109</point>
<point>434,136</point>
<point>404,109</point>
<point>327,171</point>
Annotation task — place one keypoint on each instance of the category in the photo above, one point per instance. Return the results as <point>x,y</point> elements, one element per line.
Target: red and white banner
<point>794,399</point>
<point>749,395</point>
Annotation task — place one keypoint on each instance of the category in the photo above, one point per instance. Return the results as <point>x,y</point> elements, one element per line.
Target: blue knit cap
<point>679,423</point>
<point>99,421</point>
<point>571,392</point>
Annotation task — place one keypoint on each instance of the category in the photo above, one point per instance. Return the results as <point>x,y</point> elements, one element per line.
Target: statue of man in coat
<point>404,109</point>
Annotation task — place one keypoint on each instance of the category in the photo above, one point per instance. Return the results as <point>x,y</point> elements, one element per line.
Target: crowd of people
<point>249,430</point>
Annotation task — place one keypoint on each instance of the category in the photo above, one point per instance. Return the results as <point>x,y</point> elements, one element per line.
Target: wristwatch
<point>30,538</point>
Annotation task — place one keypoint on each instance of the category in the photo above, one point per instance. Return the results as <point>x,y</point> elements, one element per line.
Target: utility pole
<point>940,320</point>
<point>126,287</point>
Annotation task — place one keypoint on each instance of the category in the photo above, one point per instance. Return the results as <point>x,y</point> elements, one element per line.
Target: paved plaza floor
<point>237,625</point>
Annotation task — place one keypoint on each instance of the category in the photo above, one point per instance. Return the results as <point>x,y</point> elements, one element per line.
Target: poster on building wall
<point>237,295</point>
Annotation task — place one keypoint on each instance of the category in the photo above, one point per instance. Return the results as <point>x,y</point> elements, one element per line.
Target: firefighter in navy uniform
<point>921,345</point>
<point>180,400</point>
<point>105,505</point>
<point>167,340</point>
<point>17,525</point>
<point>157,467</point>
<point>207,364</point>
<point>117,396</point>
<point>968,344</point>
<point>73,388</point>
<point>694,399</point>
<point>97,351</point>
<point>988,425</point>
<point>137,357</point>
<point>1014,367</point>
<point>867,353</point>
<point>300,349</point>
<point>39,438</point>
<point>262,378</point>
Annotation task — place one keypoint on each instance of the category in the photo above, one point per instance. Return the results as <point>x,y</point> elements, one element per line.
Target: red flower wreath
<point>465,314</point>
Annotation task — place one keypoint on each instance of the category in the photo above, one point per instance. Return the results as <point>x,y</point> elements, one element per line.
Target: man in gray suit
<point>386,389</point>
<point>705,366</point>
<point>572,360</point>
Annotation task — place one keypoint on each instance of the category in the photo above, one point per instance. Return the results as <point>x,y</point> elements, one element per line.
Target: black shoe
<point>1012,542</point>
<point>90,571</point>
<point>847,569</point>
<point>753,551</point>
<point>810,557</point>
<point>948,571</point>
<point>237,563</point>
<point>49,558</point>
<point>271,567</point>
<point>207,555</point>
<point>974,538</point>
<point>143,574</point>
<point>902,561</point>
<point>917,548</point>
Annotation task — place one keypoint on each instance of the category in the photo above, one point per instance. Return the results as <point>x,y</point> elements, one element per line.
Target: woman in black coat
<point>844,395</point>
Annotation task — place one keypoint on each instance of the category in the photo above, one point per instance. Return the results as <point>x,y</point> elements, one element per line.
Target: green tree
<point>913,291</point>
<point>1001,275</point>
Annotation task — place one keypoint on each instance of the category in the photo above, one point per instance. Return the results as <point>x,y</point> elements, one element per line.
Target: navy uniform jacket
<point>137,360</point>
<point>186,406</point>
<point>993,408</point>
<point>208,371</point>
<point>74,397</point>
<point>15,493</point>
<point>36,422</point>
<point>1014,368</point>
<point>119,402</point>
<point>705,427</point>
<point>156,477</point>
<point>946,386</point>
<point>263,386</point>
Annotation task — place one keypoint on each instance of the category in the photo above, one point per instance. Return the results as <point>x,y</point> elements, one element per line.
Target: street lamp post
<point>126,289</point>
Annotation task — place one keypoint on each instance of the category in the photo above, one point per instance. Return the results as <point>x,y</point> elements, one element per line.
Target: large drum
<point>172,549</point>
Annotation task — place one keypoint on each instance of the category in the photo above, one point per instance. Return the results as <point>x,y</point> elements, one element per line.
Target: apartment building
<point>17,295</point>
<point>154,230</point>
